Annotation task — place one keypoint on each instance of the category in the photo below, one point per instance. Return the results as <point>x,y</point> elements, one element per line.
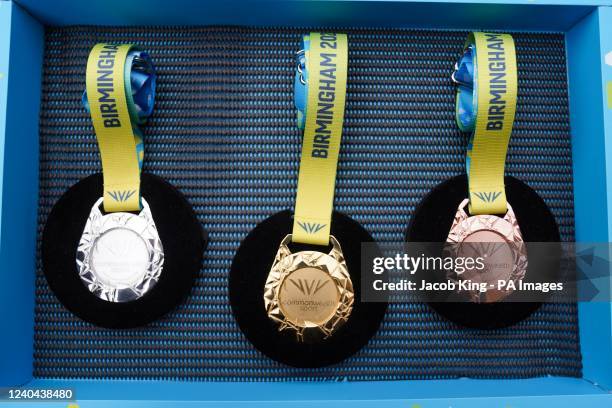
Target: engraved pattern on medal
<point>120,256</point>
<point>498,240</point>
<point>309,290</point>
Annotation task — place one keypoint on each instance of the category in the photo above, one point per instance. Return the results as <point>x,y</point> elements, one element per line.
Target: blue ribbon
<point>467,100</point>
<point>300,83</point>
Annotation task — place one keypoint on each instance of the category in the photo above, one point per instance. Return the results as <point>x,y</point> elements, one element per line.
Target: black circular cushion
<point>248,276</point>
<point>183,238</point>
<point>432,221</point>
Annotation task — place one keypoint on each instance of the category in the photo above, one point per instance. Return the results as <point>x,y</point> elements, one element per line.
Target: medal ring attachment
<point>120,256</point>
<point>498,243</point>
<point>309,291</point>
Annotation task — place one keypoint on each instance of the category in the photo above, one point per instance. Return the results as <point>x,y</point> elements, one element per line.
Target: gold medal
<point>309,291</point>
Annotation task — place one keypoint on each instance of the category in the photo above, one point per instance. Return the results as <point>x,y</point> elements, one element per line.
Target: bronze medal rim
<point>464,225</point>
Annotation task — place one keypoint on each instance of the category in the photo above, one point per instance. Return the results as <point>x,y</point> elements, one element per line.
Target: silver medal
<point>120,255</point>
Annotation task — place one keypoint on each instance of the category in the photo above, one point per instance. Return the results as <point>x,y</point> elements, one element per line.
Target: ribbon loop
<point>486,105</point>
<point>326,59</point>
<point>120,91</point>
<point>300,85</point>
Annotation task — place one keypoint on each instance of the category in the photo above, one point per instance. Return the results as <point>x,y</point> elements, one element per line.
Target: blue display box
<point>587,25</point>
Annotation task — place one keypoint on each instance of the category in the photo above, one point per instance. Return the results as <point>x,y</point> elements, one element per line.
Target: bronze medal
<point>497,240</point>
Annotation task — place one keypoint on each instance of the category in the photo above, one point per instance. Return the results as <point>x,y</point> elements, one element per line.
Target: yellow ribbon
<point>496,92</point>
<point>327,64</point>
<point>106,91</point>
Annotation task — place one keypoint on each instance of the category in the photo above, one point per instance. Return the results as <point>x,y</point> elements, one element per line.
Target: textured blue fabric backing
<point>224,133</point>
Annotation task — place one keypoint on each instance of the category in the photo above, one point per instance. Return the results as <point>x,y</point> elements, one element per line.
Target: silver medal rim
<point>141,224</point>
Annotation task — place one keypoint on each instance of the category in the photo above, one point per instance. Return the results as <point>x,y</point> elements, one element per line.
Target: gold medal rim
<point>332,263</point>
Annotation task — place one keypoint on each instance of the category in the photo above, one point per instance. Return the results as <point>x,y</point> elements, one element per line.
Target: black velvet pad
<point>432,222</point>
<point>182,236</point>
<point>248,276</point>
